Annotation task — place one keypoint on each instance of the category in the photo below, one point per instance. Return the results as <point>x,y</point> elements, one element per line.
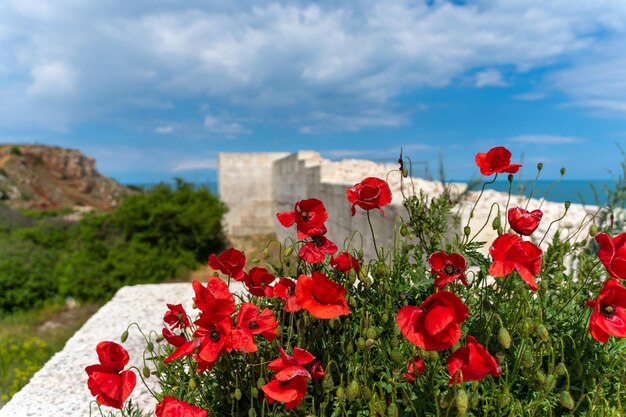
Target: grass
<point>29,339</point>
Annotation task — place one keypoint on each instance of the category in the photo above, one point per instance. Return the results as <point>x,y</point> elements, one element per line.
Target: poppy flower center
<point>214,336</point>
<point>608,311</point>
<point>317,240</point>
<point>253,325</point>
<point>449,269</point>
<point>305,216</point>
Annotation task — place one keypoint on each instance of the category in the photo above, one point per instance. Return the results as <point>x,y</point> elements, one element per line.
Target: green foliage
<point>20,358</point>
<point>15,150</point>
<point>152,237</point>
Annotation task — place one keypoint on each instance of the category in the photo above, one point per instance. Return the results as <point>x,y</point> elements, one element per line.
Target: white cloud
<point>52,79</point>
<point>193,165</point>
<point>289,61</point>
<point>545,139</point>
<point>388,153</point>
<point>223,127</point>
<point>164,130</point>
<point>490,78</point>
<point>532,96</point>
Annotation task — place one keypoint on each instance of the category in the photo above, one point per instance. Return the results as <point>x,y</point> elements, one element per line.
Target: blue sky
<point>154,90</point>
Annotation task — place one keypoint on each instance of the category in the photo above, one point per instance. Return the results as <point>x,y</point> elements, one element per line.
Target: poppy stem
<point>140,373</point>
<point>482,190</point>
<point>369,220</point>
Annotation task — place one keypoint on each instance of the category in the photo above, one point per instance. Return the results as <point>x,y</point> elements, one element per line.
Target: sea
<point>590,192</point>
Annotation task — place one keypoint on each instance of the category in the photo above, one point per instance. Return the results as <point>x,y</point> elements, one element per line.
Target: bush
<point>15,150</point>
<point>430,327</point>
<point>152,237</point>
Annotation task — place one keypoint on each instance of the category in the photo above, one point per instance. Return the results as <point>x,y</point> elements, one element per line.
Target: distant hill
<point>44,177</point>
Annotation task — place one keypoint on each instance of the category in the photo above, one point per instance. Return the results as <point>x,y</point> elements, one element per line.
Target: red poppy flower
<point>215,338</point>
<point>300,357</point>
<point>316,250</point>
<point>609,312</point>
<point>498,160</point>
<point>108,382</point>
<point>413,365</point>
<point>369,194</point>
<point>344,262</point>
<point>612,254</point>
<point>263,324</point>
<point>317,370</point>
<point>511,253</point>
<point>171,407</point>
<point>323,298</point>
<point>448,267</point>
<point>291,391</point>
<point>173,339</point>
<point>258,281</point>
<point>434,325</point>
<point>186,349</point>
<point>289,384</point>
<point>285,289</point>
<point>176,316</point>
<point>308,215</point>
<point>215,300</point>
<point>471,363</point>
<point>230,262</point>
<point>523,221</point>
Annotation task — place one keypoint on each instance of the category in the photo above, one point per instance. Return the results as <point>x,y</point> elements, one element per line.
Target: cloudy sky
<point>156,89</point>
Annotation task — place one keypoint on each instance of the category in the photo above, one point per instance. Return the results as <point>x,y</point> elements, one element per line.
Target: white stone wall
<point>245,186</point>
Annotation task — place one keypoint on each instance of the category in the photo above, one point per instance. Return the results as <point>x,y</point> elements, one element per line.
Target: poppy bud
<point>353,390</point>
<point>500,231</point>
<point>381,269</point>
<point>503,400</point>
<point>566,400</point>
<point>350,349</point>
<point>467,230</point>
<point>341,396</point>
<point>527,359</point>
<point>371,333</point>
<point>504,338</point>
<point>367,283</point>
<point>510,177</point>
<point>254,392</point>
<point>404,230</point>
<point>351,277</point>
<point>328,383</point>
<point>567,204</point>
<point>593,230</point>
<point>237,394</point>
<point>542,333</point>
<point>396,356</point>
<point>496,223</point>
<point>252,412</point>
<point>266,253</point>
<point>562,171</point>
<point>216,274</point>
<point>385,317</point>
<point>146,372</point>
<point>369,343</point>
<point>540,377</point>
<point>159,338</point>
<point>192,383</point>
<point>394,342</point>
<point>288,251</point>
<point>539,166</point>
<point>560,369</point>
<point>150,347</point>
<point>461,402</point>
<point>124,336</point>
<point>500,356</point>
<point>550,382</point>
<point>335,323</point>
<point>360,343</point>
<point>366,393</point>
<point>260,382</point>
<point>405,173</point>
<point>392,410</point>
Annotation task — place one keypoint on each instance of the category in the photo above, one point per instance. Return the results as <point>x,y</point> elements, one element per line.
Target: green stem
<point>369,220</point>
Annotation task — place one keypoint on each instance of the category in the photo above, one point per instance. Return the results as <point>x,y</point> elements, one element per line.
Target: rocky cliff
<point>43,177</point>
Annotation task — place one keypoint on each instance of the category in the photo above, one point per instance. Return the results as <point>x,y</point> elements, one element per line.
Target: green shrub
<point>15,150</point>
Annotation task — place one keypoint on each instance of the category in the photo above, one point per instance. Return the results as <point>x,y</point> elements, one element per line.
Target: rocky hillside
<point>43,177</point>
